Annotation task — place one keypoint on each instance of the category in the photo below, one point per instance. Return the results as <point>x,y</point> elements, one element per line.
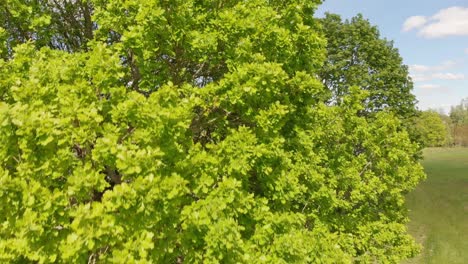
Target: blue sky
<point>432,36</point>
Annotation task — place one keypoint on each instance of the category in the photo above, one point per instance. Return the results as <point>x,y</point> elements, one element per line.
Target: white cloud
<point>420,77</point>
<point>431,90</point>
<point>445,108</point>
<point>422,73</point>
<point>448,76</point>
<point>448,64</point>
<point>466,51</point>
<point>414,22</point>
<point>429,86</point>
<point>452,21</point>
<point>417,68</point>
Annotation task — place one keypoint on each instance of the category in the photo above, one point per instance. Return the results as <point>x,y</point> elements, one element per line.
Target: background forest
<point>437,129</point>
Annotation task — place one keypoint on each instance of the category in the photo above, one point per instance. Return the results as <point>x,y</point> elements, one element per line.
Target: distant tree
<point>358,56</point>
<point>460,135</point>
<point>432,130</point>
<point>459,118</point>
<point>448,126</point>
<point>459,113</point>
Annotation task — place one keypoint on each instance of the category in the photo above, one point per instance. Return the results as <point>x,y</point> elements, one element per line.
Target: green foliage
<point>358,56</point>
<point>459,118</point>
<point>459,113</point>
<point>59,24</point>
<point>431,129</point>
<point>3,43</point>
<point>196,132</point>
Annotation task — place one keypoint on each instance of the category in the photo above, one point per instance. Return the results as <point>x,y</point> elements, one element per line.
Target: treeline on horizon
<point>434,128</point>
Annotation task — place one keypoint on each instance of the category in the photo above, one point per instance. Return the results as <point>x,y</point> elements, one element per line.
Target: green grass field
<point>439,208</point>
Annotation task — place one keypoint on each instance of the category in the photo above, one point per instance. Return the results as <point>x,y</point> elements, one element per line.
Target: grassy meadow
<point>439,208</point>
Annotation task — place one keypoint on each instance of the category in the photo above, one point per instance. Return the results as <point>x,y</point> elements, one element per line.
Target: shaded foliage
<point>358,56</point>
<point>59,24</point>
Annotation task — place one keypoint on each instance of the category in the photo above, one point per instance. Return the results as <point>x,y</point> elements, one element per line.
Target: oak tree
<point>358,56</point>
<point>195,132</point>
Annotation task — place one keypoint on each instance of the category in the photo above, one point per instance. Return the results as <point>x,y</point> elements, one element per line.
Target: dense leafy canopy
<point>64,25</point>
<point>358,56</point>
<point>195,132</point>
<point>431,129</point>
